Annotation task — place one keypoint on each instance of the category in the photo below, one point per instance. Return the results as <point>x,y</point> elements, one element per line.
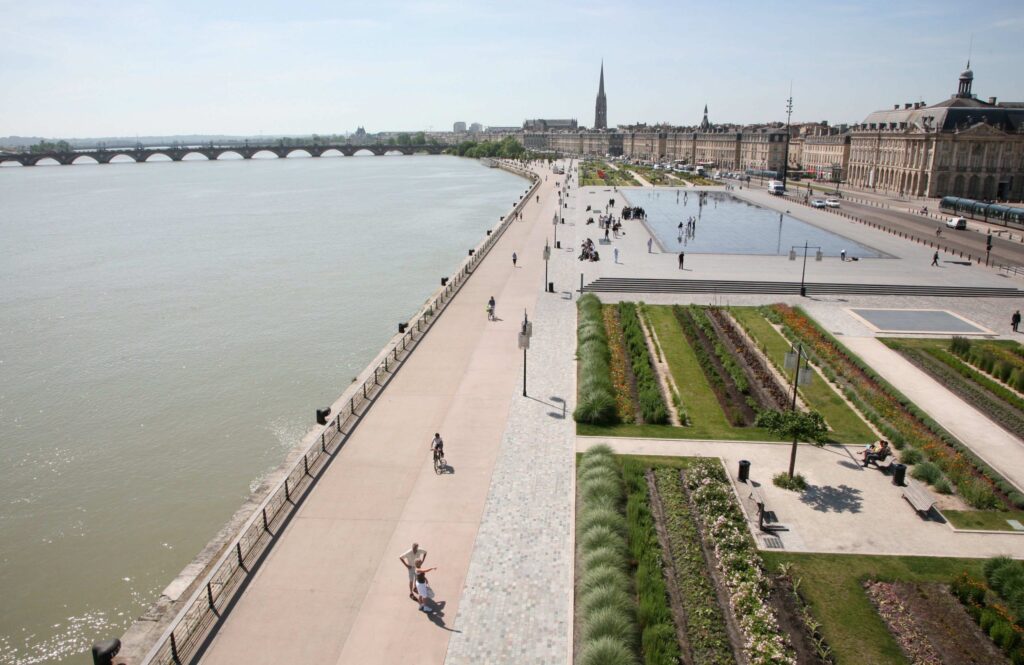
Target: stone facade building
<point>959,147</point>
<point>825,156</point>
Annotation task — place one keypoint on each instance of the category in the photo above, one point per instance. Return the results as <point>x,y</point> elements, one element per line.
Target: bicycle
<point>440,463</point>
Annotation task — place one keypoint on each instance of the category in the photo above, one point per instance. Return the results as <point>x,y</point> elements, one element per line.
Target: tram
<point>996,213</point>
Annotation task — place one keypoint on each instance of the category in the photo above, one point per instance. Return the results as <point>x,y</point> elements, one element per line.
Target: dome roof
<point>967,74</point>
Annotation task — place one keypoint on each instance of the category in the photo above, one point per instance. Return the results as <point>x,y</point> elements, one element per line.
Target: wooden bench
<point>919,497</point>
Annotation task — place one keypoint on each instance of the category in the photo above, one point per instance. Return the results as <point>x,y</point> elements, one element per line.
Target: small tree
<point>795,425</point>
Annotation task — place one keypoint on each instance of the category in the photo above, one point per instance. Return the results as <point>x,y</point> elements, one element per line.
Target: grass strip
<point>985,520</point>
<point>652,402</point>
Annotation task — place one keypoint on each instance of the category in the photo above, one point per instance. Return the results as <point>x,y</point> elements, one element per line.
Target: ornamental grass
<point>596,395</point>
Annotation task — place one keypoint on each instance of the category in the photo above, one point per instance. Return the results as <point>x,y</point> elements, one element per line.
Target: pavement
<point>332,589</point>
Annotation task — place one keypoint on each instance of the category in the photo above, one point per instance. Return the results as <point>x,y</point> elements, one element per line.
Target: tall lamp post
<point>803,273</point>
<point>524,343</point>
<point>785,158</point>
<point>547,257</point>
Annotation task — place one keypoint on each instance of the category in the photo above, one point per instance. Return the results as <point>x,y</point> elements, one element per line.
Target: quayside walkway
<point>332,589</point>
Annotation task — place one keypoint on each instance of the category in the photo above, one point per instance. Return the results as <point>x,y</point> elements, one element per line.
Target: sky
<point>74,68</point>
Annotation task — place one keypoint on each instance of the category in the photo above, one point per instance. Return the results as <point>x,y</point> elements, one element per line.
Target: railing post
<point>305,463</point>
<point>352,406</point>
<point>238,552</point>
<point>266,526</point>
<point>287,492</point>
<point>209,597</point>
<point>174,649</point>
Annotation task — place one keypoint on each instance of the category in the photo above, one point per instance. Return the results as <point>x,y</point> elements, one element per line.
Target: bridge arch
<point>229,154</point>
<point>194,155</point>
<point>265,153</point>
<point>332,152</point>
<point>121,158</point>
<point>301,153</point>
<point>47,161</point>
<point>364,152</point>
<point>85,159</point>
<point>10,161</point>
<point>158,157</point>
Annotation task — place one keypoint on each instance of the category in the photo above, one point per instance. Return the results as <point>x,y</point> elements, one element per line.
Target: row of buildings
<point>962,146</point>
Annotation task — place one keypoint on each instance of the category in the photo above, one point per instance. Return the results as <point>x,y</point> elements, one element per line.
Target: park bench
<point>919,497</point>
<point>877,461</point>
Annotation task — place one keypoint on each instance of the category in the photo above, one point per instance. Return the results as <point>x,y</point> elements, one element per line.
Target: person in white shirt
<point>413,559</point>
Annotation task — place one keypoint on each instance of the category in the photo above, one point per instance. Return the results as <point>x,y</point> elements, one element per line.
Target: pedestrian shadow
<point>828,499</point>
<point>851,465</point>
<point>436,615</point>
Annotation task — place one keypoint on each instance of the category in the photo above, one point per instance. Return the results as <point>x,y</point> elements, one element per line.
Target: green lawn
<point>847,426</point>
<point>985,520</point>
<point>831,583</point>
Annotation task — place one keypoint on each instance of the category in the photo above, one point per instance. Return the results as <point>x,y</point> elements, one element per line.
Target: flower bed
<point>1004,363</point>
<point>595,395</point>
<point>913,642</point>
<point>770,395</point>
<point>997,604</point>
<point>704,624</point>
<point>652,402</point>
<point>738,563</point>
<point>657,631</point>
<point>622,377</point>
<point>893,414</point>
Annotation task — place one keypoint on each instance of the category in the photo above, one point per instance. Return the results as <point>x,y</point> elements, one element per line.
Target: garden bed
<point>763,384</point>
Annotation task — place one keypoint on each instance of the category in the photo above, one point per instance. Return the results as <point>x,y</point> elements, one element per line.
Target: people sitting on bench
<point>877,452</point>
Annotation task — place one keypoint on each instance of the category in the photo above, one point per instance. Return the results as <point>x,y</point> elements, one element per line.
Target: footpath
<point>332,589</point>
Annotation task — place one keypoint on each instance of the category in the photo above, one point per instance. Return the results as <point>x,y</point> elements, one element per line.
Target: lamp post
<point>547,257</point>
<point>554,223</point>
<point>524,343</point>
<point>785,159</point>
<point>803,273</point>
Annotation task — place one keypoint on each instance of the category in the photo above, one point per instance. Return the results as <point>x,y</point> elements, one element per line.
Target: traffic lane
<point>969,242</point>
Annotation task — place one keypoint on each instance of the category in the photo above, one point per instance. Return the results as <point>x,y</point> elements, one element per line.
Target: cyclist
<point>437,446</point>
<point>490,309</point>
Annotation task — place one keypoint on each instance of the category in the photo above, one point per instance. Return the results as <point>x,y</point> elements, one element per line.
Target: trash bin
<point>899,473</point>
<point>551,287</point>
<point>744,470</point>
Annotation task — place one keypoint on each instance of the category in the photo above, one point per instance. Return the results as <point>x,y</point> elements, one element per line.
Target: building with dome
<point>962,146</point>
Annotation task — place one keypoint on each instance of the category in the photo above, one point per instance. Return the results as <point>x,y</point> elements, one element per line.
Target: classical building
<point>825,156</point>
<point>601,107</point>
<point>961,147</point>
<point>550,124</point>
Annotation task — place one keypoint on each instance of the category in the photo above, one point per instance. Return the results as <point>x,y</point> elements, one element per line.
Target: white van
<point>775,187</point>
<point>958,223</point>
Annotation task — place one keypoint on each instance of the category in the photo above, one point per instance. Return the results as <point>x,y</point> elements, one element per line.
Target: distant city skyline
<point>117,68</point>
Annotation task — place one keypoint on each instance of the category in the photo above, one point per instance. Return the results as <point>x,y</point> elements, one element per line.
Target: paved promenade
<point>332,589</point>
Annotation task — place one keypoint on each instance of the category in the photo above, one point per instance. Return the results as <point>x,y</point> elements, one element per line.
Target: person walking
<point>682,260</point>
<point>935,259</point>
<point>842,255</point>
<point>413,559</point>
<point>1015,320</point>
<point>514,259</point>
<point>616,253</point>
<point>650,242</point>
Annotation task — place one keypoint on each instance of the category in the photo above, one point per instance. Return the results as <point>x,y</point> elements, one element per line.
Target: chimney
<point>907,106</point>
<point>992,101</point>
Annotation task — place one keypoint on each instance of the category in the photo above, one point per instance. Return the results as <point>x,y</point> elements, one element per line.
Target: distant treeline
<point>507,147</point>
<point>50,146</point>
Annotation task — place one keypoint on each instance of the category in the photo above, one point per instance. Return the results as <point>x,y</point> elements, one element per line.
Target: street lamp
<point>785,159</point>
<point>547,257</point>
<point>524,343</point>
<point>803,273</point>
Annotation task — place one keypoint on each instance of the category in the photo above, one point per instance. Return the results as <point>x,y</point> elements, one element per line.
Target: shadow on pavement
<point>825,498</point>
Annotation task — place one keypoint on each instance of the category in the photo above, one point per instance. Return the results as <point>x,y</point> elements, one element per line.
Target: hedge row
<point>596,395</point>
<point>652,402</point>
<point>998,607</point>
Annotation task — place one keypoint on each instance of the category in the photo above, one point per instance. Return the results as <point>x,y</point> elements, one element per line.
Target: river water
<point>166,332</point>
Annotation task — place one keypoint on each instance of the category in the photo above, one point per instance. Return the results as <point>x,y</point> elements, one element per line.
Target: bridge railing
<point>200,613</point>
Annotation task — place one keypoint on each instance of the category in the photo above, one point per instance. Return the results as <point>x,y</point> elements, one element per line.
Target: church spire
<point>704,124</point>
<point>601,107</point>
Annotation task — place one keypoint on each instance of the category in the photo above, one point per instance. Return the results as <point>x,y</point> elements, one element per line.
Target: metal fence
<point>203,609</point>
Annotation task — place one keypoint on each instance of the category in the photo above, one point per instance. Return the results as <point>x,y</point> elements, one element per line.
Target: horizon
<point>198,69</point>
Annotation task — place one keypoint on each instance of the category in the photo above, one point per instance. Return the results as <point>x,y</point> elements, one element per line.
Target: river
<point>166,332</point>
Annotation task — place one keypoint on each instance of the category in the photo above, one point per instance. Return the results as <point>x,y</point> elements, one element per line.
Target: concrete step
<point>646,285</point>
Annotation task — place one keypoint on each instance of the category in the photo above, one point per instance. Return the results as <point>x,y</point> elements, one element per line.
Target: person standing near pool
<point>682,260</point>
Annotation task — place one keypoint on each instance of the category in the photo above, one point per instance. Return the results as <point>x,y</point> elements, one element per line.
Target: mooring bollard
<point>103,652</point>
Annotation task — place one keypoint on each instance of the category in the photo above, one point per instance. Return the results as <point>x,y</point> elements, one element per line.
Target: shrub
<point>797,483</point>
<point>601,516</point>
<point>660,644</point>
<point>1003,634</point>
<point>942,486</point>
<point>978,494</point>
<point>606,651</point>
<point>600,488</point>
<point>609,622</point>
<point>606,555</point>
<point>602,577</point>
<point>961,346</point>
<point>1003,372</point>
<point>987,619</point>
<point>911,456</point>
<point>605,597</point>
<point>1017,499</point>
<point>1018,382</point>
<point>596,397</point>
<point>926,472</point>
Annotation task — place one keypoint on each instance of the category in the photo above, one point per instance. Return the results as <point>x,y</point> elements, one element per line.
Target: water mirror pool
<point>726,224</point>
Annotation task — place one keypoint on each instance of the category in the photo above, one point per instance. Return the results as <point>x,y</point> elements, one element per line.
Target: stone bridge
<point>176,154</point>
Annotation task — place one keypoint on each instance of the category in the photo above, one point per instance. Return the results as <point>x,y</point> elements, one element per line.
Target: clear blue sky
<point>75,68</point>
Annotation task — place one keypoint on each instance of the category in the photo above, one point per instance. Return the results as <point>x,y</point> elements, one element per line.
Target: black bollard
<point>744,471</point>
<point>321,415</point>
<point>471,252</point>
<point>444,281</point>
<point>103,652</point>
<point>402,327</point>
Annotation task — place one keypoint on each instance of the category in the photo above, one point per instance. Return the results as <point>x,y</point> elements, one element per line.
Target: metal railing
<point>200,613</point>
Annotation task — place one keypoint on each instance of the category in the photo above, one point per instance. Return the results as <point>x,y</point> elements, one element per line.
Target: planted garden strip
<point>661,373</point>
<point>901,623</point>
<point>997,603</point>
<point>1003,363</point>
<point>729,397</point>
<point>766,389</point>
<point>987,381</point>
<point>707,636</point>
<point>738,563</point>
<point>627,405</point>
<point>795,615</point>
<point>893,414</point>
<point>596,402</point>
<point>605,608</point>
<point>652,402</point>
<point>1012,419</point>
<point>658,639</point>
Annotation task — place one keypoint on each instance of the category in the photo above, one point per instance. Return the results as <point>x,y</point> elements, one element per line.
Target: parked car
<point>817,203</point>
<point>832,203</point>
<point>958,223</point>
